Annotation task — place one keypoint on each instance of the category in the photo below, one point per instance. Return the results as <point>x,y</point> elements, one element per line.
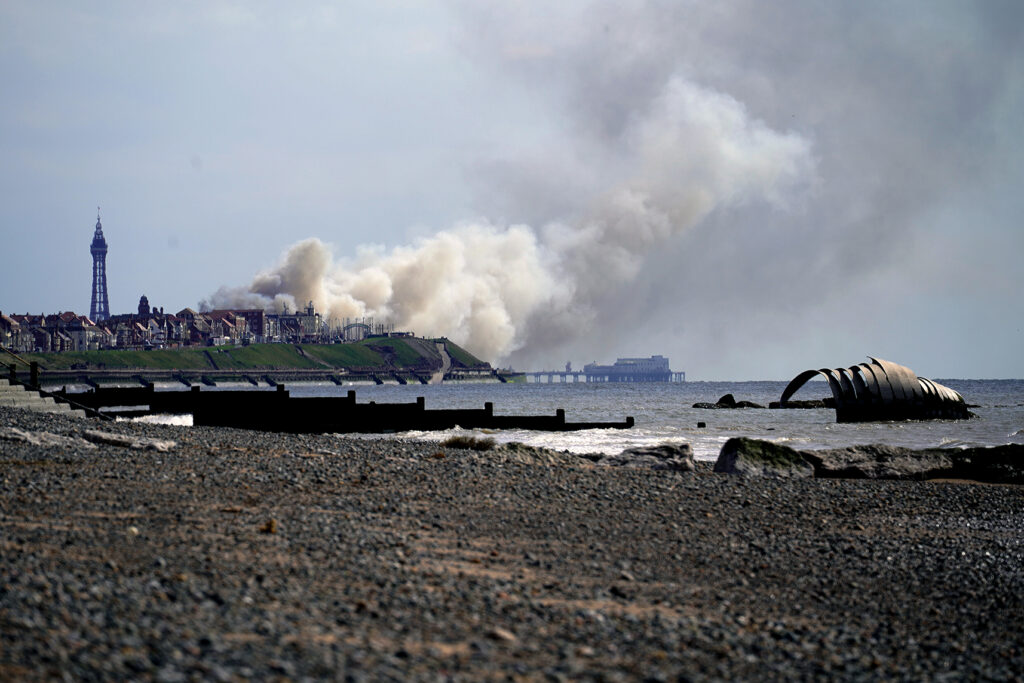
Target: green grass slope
<point>170,359</point>
<point>399,353</point>
<point>461,356</point>
<point>345,355</point>
<point>260,357</point>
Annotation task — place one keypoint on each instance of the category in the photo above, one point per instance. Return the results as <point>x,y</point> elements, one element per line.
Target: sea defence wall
<point>144,377</point>
<point>405,360</point>
<point>188,378</point>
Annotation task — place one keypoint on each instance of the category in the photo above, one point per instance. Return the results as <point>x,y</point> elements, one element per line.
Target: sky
<point>748,188</point>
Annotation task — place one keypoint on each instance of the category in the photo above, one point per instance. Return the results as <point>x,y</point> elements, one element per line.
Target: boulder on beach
<point>881,462</point>
<point>999,464</point>
<point>521,454</point>
<point>664,457</point>
<point>754,457</point>
<point>674,457</point>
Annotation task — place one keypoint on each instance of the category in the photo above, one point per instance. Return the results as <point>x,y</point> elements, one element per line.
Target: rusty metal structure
<point>882,390</point>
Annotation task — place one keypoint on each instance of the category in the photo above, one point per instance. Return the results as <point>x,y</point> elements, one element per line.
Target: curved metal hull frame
<point>883,390</point>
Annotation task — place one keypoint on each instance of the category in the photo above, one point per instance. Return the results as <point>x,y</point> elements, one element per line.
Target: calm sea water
<point>664,413</point>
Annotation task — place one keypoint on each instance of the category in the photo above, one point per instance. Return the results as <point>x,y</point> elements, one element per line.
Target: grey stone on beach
<point>755,457</point>
<point>674,457</point>
<point>882,462</point>
<point>517,453</point>
<point>758,458</point>
<point>996,464</point>
<point>395,560</point>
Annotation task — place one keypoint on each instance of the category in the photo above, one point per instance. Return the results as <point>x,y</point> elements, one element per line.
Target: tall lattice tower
<point>100,309</point>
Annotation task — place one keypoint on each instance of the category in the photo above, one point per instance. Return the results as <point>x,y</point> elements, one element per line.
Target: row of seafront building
<point>152,328</point>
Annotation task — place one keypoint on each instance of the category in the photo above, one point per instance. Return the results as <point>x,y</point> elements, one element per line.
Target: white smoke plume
<point>683,153</point>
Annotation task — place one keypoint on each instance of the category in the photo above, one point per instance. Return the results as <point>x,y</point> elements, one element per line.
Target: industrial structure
<point>99,310</point>
<point>653,369</point>
<point>357,329</point>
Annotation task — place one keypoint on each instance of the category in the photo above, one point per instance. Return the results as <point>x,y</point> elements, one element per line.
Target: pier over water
<point>653,369</point>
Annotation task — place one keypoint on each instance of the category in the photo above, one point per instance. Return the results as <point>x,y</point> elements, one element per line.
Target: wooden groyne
<point>277,411</point>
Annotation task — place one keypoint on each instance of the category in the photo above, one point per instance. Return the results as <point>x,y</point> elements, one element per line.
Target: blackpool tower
<point>99,310</point>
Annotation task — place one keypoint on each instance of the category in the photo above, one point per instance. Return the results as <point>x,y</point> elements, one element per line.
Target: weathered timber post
<point>33,373</point>
<point>13,373</point>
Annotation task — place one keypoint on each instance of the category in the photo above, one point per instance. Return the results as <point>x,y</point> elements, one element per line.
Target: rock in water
<point>666,456</point>
<point>727,402</point>
<point>753,457</point>
<point>815,403</point>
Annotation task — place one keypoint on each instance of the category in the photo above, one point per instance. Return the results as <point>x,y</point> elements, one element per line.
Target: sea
<point>664,413</point>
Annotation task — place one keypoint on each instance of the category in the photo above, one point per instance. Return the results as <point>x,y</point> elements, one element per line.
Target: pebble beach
<point>182,554</point>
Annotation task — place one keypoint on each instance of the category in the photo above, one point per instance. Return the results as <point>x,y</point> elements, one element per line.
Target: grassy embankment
<point>392,353</point>
<point>460,356</point>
